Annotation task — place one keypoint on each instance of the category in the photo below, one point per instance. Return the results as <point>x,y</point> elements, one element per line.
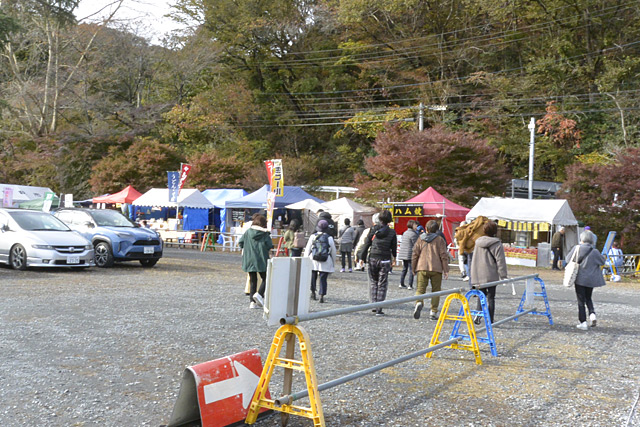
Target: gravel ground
<point>108,348</point>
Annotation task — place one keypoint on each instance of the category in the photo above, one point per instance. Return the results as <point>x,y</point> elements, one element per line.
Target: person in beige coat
<point>489,263</point>
<point>430,261</point>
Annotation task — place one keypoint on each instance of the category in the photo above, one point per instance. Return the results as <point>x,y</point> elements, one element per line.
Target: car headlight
<point>124,235</point>
<point>88,247</point>
<point>42,247</point>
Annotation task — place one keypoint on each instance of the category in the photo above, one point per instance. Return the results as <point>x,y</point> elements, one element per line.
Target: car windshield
<point>110,218</point>
<point>38,221</point>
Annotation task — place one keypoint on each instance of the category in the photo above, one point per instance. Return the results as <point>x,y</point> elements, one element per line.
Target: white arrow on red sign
<point>245,383</point>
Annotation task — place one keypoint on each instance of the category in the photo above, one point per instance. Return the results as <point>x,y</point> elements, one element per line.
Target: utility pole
<point>421,118</point>
<point>532,130</point>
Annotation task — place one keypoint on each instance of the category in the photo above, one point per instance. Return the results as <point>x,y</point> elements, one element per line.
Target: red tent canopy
<point>128,195</point>
<point>435,204</point>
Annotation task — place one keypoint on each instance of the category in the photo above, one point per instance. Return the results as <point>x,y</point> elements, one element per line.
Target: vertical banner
<point>48,201</point>
<point>277,180</point>
<point>269,166</point>
<point>174,186</point>
<point>271,203</point>
<point>7,197</point>
<point>184,173</point>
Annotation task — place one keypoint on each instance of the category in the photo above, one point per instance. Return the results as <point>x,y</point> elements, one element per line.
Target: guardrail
<point>290,330</point>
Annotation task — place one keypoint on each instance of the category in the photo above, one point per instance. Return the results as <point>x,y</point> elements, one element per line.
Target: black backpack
<point>321,248</point>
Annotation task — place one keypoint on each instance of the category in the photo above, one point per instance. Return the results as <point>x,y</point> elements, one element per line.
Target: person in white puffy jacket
<point>321,268</point>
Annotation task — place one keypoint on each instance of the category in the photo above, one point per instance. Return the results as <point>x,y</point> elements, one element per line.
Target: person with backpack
<point>383,242</point>
<point>256,243</point>
<point>347,236</point>
<point>321,248</point>
<point>294,238</point>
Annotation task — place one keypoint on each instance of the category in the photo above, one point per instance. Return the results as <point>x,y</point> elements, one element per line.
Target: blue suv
<point>113,236</point>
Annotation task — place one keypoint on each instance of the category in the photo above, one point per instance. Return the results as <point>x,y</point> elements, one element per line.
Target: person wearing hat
<point>321,268</point>
<point>557,245</point>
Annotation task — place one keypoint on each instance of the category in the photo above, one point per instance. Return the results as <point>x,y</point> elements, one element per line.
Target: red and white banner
<point>7,197</point>
<point>269,165</point>
<point>184,173</point>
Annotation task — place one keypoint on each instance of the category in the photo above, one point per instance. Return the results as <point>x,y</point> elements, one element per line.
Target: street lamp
<point>532,130</point>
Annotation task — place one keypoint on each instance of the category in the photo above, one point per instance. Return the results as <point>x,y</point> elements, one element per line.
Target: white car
<point>38,239</point>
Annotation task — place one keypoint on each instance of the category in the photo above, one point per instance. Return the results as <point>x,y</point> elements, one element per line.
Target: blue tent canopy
<point>258,199</point>
<point>218,197</point>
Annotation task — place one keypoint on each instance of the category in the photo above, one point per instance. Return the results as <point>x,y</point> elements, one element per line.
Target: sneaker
<point>321,299</point>
<point>342,270</point>
<point>410,288</point>
<point>379,313</point>
<point>465,278</point>
<point>402,286</point>
<point>477,320</point>
<point>253,305</point>
<point>432,315</point>
<point>417,310</point>
<point>258,299</point>
<point>350,271</point>
<point>592,320</point>
<point>582,326</point>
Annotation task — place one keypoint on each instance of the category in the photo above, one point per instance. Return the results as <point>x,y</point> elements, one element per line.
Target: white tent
<point>307,204</point>
<point>346,208</point>
<point>23,193</point>
<point>188,198</point>
<point>556,212</point>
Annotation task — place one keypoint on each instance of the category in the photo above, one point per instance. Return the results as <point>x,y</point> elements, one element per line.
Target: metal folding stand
<point>463,316</point>
<point>483,313</point>
<point>542,293</point>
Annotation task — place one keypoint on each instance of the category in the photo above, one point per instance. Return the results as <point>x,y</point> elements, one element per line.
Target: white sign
<point>68,200</point>
<point>245,383</point>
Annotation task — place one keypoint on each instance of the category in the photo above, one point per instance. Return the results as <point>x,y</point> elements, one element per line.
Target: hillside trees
<point>458,164</point>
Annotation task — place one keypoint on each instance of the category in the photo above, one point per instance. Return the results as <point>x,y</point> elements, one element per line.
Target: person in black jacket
<point>383,243</point>
<point>332,230</point>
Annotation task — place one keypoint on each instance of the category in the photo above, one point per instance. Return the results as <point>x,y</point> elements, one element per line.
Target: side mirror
<point>89,224</point>
<point>4,227</point>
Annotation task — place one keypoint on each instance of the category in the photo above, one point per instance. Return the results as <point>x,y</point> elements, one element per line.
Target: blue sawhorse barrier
<point>482,314</point>
<point>542,294</point>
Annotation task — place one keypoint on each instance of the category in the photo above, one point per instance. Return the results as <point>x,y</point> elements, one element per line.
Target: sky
<point>147,15</point>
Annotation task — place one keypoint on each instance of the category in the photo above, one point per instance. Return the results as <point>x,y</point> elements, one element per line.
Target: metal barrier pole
<point>291,320</point>
<point>287,400</point>
<point>506,319</point>
<point>505,281</point>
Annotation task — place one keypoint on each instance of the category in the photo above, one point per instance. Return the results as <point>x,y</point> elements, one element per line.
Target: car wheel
<point>148,263</point>
<point>103,254</point>
<point>18,258</point>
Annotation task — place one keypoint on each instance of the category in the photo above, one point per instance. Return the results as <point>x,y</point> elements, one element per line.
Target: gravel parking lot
<point>107,347</point>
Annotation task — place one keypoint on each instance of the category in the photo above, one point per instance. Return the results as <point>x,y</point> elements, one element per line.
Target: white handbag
<point>571,270</point>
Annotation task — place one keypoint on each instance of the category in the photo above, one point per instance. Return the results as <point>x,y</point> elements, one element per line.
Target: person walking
<point>356,242</point>
<point>430,261</point>
<point>347,236</point>
<point>321,249</point>
<point>488,264</point>
<point>290,238</point>
<point>383,242</point>
<point>332,230</point>
<point>462,258</point>
<point>593,235</point>
<point>409,239</point>
<point>589,277</point>
<point>360,243</point>
<point>557,245</point>
<point>466,236</point>
<point>256,243</point>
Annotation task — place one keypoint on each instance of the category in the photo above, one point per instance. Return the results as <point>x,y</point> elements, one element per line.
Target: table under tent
<point>192,209</point>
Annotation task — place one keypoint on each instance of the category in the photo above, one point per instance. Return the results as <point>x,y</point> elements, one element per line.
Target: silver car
<point>38,239</point>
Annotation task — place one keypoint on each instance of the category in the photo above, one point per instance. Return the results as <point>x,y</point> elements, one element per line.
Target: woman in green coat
<point>256,243</point>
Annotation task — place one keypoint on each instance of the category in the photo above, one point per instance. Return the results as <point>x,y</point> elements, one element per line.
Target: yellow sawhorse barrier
<point>466,317</point>
<point>306,365</point>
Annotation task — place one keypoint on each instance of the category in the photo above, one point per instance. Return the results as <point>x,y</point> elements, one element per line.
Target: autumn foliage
<point>458,164</point>
<point>605,196</point>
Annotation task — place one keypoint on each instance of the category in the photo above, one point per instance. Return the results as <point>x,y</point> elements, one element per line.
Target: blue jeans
<point>406,268</point>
